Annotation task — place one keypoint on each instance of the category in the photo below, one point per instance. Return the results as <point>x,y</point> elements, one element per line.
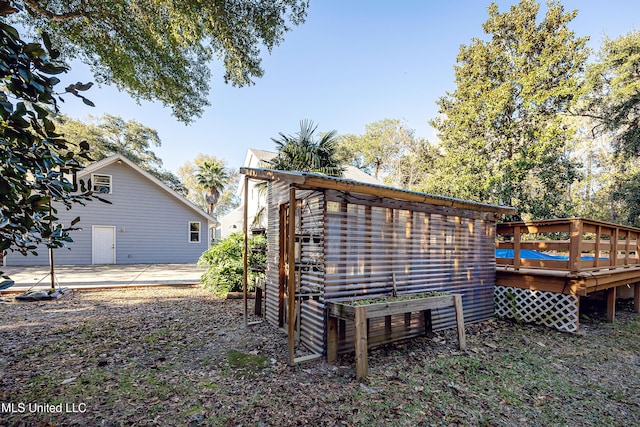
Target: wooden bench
<point>359,314</point>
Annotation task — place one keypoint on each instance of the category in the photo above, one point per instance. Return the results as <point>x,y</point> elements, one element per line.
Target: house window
<point>101,183</point>
<point>194,232</point>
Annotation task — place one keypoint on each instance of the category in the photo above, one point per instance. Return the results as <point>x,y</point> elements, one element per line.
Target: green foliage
<point>614,83</point>
<point>225,263</point>
<point>213,176</point>
<point>304,153</point>
<point>35,159</point>
<point>380,148</point>
<point>160,50</point>
<point>502,131</point>
<point>197,193</point>
<point>111,135</point>
<point>389,151</point>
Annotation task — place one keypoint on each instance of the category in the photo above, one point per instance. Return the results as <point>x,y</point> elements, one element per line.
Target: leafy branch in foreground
<point>37,164</point>
<point>161,50</point>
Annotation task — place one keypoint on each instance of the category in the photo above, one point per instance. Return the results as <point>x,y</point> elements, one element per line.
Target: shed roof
<point>305,180</point>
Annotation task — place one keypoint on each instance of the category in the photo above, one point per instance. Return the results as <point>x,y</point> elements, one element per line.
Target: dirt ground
<point>180,356</point>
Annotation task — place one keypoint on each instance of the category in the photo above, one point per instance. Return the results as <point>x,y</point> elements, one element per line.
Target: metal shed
<point>332,239</point>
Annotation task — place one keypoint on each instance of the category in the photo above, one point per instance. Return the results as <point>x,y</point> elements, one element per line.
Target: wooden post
<point>462,339</point>
<point>332,339</point>
<point>387,327</point>
<point>361,338</point>
<point>428,323</point>
<point>613,252</point>
<point>611,305</point>
<point>257,306</point>
<point>596,256</point>
<point>516,247</point>
<point>636,297</point>
<point>245,252</point>
<point>626,247</point>
<point>575,243</point>
<point>291,285</point>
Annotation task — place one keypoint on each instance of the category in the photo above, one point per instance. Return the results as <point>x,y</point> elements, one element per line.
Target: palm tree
<point>212,175</point>
<point>302,152</point>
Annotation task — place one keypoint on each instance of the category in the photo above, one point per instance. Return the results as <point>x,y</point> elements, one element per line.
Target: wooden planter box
<point>359,313</point>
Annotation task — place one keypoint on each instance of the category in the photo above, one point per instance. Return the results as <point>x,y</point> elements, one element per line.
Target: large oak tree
<point>161,49</point>
<point>502,129</point>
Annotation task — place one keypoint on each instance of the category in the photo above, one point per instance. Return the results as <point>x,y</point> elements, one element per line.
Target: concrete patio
<point>102,276</point>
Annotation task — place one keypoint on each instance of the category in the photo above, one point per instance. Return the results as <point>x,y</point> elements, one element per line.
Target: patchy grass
<point>180,356</point>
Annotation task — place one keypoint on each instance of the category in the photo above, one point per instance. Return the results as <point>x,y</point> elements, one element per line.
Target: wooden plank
<point>315,182</point>
<point>361,342</point>
<point>611,305</point>
<point>377,201</point>
<point>408,306</point>
<point>613,253</point>
<point>342,311</point>
<point>626,247</point>
<point>308,358</point>
<point>428,323</point>
<point>291,274</point>
<point>537,245</point>
<point>598,246</point>
<point>387,327</point>
<point>575,240</point>
<point>462,340</point>
<point>516,248</point>
<point>245,251</point>
<point>332,339</point>
<point>549,264</point>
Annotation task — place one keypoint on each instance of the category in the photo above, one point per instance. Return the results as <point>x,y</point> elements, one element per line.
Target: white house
<point>257,204</point>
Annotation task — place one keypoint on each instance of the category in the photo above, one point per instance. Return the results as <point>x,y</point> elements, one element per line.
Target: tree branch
<point>60,17</point>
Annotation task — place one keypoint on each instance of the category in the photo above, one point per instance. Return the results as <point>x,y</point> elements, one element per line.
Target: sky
<point>350,64</point>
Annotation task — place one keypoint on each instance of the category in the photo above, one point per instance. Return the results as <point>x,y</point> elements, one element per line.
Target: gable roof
<point>93,168</point>
<point>323,182</point>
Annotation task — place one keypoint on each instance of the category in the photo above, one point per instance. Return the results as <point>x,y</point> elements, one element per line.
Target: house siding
<point>151,225</point>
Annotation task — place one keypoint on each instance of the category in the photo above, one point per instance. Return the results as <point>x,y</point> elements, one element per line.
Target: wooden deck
<point>577,257</point>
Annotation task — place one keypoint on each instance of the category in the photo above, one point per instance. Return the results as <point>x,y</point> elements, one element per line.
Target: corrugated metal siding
<point>365,242</point>
<point>310,264</point>
<point>366,246</point>
<point>151,225</point>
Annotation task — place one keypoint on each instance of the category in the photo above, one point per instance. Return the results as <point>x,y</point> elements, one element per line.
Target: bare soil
<point>180,356</point>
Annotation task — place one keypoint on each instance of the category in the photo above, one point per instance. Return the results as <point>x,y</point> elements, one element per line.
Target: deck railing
<point>568,244</point>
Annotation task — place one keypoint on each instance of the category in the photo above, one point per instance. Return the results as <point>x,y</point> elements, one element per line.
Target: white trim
<point>93,182</point>
<point>93,227</point>
<point>199,232</point>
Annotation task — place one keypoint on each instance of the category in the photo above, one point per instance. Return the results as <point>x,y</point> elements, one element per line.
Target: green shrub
<point>224,261</point>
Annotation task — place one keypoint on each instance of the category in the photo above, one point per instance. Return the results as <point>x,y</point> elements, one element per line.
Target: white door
<point>104,244</point>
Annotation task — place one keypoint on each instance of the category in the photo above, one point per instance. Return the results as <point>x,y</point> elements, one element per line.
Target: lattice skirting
<point>544,308</point>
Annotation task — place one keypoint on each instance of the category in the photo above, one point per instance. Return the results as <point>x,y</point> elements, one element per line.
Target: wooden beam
<point>309,358</point>
<point>575,249</point>
<point>462,340</point>
<point>245,252</point>
<point>611,305</point>
<point>361,338</point>
<point>291,276</point>
<point>516,248</point>
<point>332,339</point>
